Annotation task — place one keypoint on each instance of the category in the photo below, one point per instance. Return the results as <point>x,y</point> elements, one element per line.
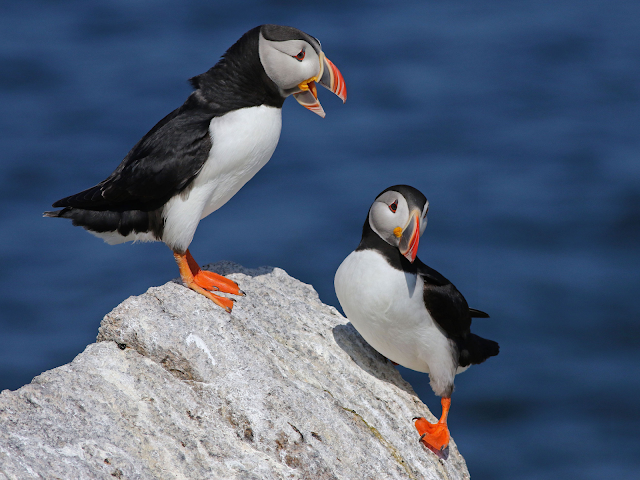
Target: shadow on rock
<point>349,340</point>
<point>226,267</point>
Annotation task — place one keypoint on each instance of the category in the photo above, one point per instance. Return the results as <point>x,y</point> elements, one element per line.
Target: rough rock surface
<point>283,388</point>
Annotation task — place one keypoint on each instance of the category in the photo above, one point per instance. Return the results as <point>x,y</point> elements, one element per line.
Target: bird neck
<point>372,241</point>
<point>238,80</point>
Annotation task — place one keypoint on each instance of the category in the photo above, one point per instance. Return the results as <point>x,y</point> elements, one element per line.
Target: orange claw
<point>189,280</point>
<point>435,436</point>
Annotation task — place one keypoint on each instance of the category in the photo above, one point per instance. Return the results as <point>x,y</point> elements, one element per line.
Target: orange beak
<point>329,77</point>
<point>332,79</point>
<point>411,237</point>
<point>308,97</point>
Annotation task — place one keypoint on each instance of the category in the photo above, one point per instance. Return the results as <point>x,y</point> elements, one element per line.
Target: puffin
<point>406,310</point>
<point>197,157</point>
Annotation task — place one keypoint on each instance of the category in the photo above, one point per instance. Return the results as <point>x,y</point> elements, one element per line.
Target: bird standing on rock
<point>406,310</point>
<point>197,157</point>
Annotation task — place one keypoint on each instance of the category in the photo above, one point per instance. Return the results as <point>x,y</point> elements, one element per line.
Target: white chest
<point>386,306</point>
<point>242,143</point>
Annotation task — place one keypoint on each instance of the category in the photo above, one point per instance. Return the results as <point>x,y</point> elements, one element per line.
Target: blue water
<point>518,119</point>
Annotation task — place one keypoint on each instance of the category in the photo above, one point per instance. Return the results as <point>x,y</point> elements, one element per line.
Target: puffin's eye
<point>300,56</point>
<point>394,206</point>
<point>425,212</point>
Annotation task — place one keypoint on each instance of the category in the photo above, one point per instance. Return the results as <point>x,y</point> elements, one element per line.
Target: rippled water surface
<point>518,120</point>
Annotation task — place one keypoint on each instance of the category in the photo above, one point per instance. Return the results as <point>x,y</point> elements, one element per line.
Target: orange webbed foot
<point>211,280</point>
<point>224,302</point>
<point>189,279</point>
<point>435,436</point>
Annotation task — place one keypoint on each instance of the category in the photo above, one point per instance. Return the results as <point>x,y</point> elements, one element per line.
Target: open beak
<point>411,237</point>
<point>329,77</point>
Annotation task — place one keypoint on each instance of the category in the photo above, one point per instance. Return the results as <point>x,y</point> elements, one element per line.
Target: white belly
<point>243,142</point>
<point>386,306</point>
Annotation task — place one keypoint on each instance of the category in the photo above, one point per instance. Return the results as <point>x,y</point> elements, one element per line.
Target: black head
<point>294,61</point>
<point>281,33</point>
<point>265,66</point>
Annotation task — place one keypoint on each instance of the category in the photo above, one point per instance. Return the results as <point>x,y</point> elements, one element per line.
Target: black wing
<point>445,303</point>
<point>163,163</point>
<point>450,311</point>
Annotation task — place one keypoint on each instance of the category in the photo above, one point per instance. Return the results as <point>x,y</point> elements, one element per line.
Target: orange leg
<point>435,436</point>
<point>189,280</point>
<point>210,280</point>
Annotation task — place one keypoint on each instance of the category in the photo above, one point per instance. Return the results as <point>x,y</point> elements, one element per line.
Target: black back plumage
<point>167,159</point>
<point>446,305</point>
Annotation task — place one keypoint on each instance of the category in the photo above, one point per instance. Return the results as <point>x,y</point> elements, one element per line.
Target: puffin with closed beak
<point>406,310</point>
<point>196,158</point>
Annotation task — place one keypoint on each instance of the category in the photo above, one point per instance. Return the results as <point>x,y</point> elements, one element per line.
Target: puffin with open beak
<point>198,156</point>
<point>406,310</point>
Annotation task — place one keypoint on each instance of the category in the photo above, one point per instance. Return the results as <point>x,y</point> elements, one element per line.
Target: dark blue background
<point>518,119</point>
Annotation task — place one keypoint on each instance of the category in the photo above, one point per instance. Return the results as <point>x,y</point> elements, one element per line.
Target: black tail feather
<point>124,222</point>
<point>477,313</point>
<point>474,349</point>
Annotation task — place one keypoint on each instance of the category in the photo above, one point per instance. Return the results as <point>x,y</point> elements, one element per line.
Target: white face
<point>391,211</point>
<point>288,63</point>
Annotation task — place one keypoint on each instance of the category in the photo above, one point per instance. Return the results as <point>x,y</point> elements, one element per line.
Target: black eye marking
<point>394,206</point>
<point>425,212</point>
<point>300,56</point>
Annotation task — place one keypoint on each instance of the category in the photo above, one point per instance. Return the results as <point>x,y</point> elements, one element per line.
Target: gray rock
<point>283,388</point>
